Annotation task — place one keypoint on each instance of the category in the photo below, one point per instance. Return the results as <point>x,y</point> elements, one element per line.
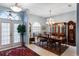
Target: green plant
<point>21,29</point>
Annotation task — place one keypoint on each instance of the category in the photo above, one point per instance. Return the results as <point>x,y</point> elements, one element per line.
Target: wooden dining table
<point>54,39</point>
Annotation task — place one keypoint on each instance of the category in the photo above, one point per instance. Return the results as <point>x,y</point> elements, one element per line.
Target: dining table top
<point>52,37</point>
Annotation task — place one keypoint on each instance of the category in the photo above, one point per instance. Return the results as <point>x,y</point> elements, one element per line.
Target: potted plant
<point>21,30</point>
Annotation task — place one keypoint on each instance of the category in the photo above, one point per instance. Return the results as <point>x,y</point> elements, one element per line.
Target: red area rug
<point>19,51</point>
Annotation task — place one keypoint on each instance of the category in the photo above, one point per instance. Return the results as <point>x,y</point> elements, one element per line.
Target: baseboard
<point>10,48</point>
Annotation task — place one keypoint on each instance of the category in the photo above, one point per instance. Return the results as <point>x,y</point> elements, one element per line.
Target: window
<point>5,15</point>
<point>5,33</point>
<point>16,34</point>
<point>36,28</point>
<point>9,34</point>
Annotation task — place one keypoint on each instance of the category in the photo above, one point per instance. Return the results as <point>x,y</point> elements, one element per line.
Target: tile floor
<point>71,51</point>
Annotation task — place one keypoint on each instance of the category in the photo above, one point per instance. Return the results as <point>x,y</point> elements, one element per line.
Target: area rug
<point>19,51</point>
<point>53,49</point>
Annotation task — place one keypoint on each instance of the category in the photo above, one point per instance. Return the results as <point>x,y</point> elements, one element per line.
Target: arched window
<point>5,15</point>
<point>36,28</point>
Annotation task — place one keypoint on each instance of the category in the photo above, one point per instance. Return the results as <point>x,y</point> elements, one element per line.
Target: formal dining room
<point>38,29</point>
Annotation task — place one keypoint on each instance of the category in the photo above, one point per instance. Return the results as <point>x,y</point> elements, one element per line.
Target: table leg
<point>59,47</point>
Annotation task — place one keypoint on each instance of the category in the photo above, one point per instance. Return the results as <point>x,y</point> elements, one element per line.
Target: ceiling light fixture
<point>16,8</point>
<point>50,21</point>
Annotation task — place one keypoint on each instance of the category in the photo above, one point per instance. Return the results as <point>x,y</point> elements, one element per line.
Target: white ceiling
<point>42,9</point>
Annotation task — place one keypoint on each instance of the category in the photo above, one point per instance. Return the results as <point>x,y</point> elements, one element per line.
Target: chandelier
<point>50,21</point>
<point>16,8</point>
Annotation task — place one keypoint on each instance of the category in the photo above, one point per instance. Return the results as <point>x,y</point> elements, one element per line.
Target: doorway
<point>9,37</point>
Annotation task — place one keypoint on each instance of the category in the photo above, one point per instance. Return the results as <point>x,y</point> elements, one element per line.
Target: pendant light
<point>50,21</point>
